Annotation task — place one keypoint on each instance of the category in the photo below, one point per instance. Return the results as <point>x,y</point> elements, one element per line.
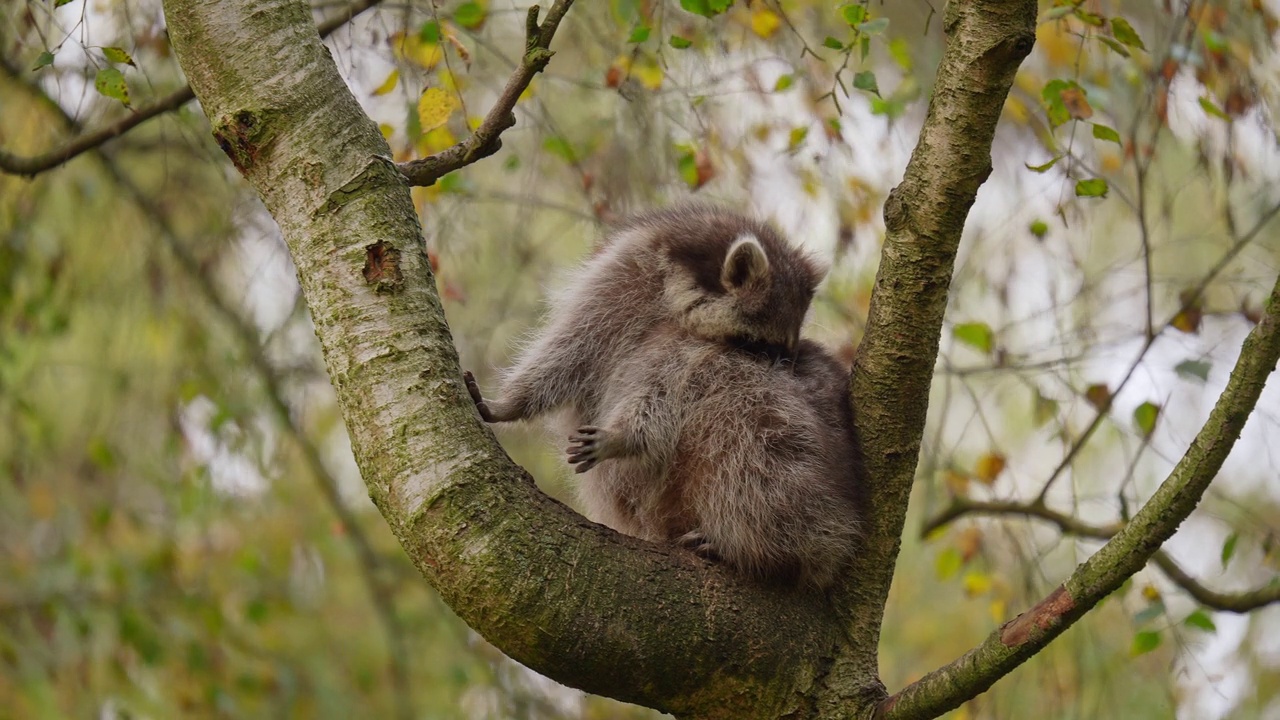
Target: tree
<point>566,597</point>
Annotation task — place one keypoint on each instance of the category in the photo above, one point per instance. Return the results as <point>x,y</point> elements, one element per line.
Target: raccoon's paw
<point>474,391</point>
<point>591,445</point>
<point>698,544</point>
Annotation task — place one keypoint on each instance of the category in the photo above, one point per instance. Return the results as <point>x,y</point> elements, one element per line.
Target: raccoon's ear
<point>745,264</point>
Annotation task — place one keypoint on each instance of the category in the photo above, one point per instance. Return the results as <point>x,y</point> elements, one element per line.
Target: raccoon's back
<point>762,470</point>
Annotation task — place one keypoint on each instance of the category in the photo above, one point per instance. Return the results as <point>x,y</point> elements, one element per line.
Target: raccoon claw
<point>474,391</point>
<point>696,543</point>
<point>590,446</point>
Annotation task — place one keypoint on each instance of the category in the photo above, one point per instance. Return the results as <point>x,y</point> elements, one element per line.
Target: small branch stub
<point>382,267</point>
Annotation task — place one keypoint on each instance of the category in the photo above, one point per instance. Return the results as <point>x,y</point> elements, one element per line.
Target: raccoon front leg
<point>591,445</point>
<point>549,374</point>
<point>642,426</point>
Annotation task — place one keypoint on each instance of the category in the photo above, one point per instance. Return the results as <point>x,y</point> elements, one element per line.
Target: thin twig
<point>32,165</point>
<point>1189,300</point>
<point>487,140</point>
<point>1237,602</point>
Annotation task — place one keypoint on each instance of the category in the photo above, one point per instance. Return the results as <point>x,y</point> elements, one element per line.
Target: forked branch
<point>487,139</point>
<point>1237,602</point>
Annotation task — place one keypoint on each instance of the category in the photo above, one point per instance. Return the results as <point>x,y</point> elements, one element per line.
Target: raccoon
<point>698,413</point>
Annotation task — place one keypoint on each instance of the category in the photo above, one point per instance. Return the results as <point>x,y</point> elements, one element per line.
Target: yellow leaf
<point>948,563</point>
<point>434,108</point>
<point>1150,592</point>
<point>446,80</point>
<point>648,74</point>
<point>989,467</point>
<point>1017,109</point>
<point>389,84</point>
<point>411,47</point>
<point>436,140</point>
<point>386,130</point>
<point>764,22</point>
<point>997,608</point>
<point>976,583</point>
<point>474,122</point>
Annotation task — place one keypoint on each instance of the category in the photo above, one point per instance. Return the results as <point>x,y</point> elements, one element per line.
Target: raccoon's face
<point>741,284</point>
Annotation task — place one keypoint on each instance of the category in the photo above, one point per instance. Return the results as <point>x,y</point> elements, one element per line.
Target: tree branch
<point>1237,602</point>
<point>1122,556</point>
<point>924,218</point>
<point>487,140</point>
<point>32,165</point>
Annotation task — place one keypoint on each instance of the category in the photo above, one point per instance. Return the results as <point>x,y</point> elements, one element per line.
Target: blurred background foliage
<point>183,532</point>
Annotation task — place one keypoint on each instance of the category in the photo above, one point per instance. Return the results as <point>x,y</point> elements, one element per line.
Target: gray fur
<point>696,412</point>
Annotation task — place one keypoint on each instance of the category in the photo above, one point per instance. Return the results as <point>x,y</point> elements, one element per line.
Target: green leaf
<point>1209,107</point>
<point>1125,33</point>
<point>1057,13</point>
<point>1149,613</point>
<point>854,14</point>
<point>45,58</point>
<point>60,3</point>
<point>833,43</point>
<point>639,35</point>
<point>135,632</point>
<point>255,611</point>
<point>118,55</point>
<point>1039,228</point>
<point>1200,620</point>
<point>1115,47</point>
<point>470,15</point>
<point>1043,410</point>
<point>797,137</point>
<point>1094,187</point>
<point>705,8</point>
<point>784,82</point>
<point>429,32</point>
<point>561,148</point>
<point>687,164</point>
<point>1089,18</point>
<point>1229,548</point>
<point>874,27</point>
<point>866,80</point>
<point>110,83</point>
<point>1045,167</point>
<point>678,42</point>
<point>900,51</point>
<point>1145,415</point>
<point>948,563</point>
<point>975,334</point>
<point>451,183</point>
<point>1144,642</point>
<point>1193,369</point>
<point>100,454</point>
<point>1102,132</point>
